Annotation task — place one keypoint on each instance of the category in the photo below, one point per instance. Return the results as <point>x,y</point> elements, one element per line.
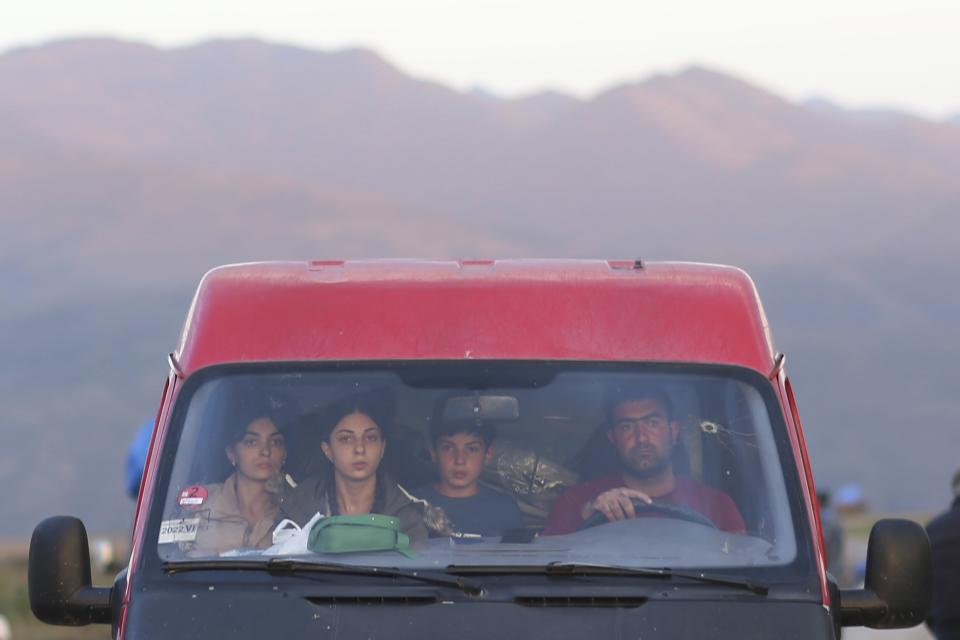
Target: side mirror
<point>897,589</point>
<point>59,575</point>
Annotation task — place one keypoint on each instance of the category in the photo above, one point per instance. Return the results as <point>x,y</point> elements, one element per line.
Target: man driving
<point>642,428</point>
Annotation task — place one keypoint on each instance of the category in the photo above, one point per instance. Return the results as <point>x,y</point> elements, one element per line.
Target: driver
<point>642,428</point>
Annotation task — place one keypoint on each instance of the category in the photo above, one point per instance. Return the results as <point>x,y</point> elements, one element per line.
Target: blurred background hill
<point>126,171</point>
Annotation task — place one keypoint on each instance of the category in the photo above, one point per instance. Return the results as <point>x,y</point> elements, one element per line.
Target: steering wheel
<point>669,509</point>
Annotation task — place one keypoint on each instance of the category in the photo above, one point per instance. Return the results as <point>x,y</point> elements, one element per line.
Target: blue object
<point>137,458</point>
<point>849,495</point>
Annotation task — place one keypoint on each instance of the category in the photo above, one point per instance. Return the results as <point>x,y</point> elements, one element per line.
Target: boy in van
<point>460,450</point>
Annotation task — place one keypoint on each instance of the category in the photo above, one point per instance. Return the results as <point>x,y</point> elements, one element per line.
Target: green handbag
<point>357,533</point>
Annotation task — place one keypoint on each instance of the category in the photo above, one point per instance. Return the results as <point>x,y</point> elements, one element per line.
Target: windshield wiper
<point>585,569</point>
<point>289,565</point>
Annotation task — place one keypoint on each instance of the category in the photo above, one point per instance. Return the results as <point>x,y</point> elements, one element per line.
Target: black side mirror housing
<point>897,589</point>
<point>59,575</point>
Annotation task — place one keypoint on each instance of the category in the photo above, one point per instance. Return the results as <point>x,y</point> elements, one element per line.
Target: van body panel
<point>554,310</point>
<point>516,310</point>
<point>256,613</point>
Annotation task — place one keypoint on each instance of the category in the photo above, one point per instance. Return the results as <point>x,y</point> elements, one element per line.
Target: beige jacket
<point>222,527</point>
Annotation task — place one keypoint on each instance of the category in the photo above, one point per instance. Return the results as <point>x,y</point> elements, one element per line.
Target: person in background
<point>137,458</point>
<point>944,533</point>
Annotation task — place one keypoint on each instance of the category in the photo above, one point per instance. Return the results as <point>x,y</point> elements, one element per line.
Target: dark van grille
<point>372,600</point>
<point>580,601</point>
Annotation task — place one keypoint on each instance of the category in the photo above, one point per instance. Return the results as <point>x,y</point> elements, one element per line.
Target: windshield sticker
<point>193,497</point>
<point>182,530</point>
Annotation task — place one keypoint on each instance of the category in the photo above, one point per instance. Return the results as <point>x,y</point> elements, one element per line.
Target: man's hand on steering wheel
<point>615,504</point>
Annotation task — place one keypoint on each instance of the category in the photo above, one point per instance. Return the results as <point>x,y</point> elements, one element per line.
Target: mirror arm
<point>861,608</point>
<point>92,604</point>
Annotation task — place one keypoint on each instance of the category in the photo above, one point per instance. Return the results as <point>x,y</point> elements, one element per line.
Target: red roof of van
<point>482,309</point>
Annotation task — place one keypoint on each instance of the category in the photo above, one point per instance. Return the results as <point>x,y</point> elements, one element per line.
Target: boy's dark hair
<point>439,428</point>
<point>619,395</point>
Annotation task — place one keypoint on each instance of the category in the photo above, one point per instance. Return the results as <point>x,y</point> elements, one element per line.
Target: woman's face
<point>261,452</point>
<point>356,447</point>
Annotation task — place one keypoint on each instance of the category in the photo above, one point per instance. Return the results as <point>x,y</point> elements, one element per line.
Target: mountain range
<point>126,171</point>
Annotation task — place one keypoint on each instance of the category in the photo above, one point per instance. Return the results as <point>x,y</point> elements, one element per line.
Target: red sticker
<point>193,497</point>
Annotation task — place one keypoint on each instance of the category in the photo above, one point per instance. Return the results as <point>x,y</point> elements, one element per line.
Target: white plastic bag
<point>289,539</point>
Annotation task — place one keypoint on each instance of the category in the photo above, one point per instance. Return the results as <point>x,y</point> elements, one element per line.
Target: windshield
<point>428,465</point>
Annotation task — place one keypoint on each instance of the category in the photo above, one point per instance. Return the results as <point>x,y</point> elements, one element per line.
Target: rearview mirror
<point>481,407</point>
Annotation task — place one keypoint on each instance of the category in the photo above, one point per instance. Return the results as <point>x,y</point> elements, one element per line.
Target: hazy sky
<point>862,53</point>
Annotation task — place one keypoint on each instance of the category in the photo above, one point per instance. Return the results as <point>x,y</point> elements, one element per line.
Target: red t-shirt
<point>719,507</point>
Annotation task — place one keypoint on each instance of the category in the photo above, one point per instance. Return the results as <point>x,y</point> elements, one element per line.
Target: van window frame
<point>801,569</point>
